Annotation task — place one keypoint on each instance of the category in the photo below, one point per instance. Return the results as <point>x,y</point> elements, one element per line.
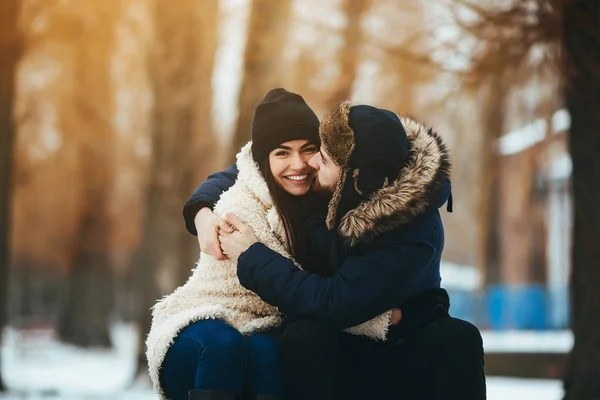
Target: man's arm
<point>207,194</point>
<point>364,287</point>
<point>326,249</point>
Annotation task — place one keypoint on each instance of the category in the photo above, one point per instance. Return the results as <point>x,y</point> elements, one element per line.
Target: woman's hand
<point>208,226</point>
<point>235,243</point>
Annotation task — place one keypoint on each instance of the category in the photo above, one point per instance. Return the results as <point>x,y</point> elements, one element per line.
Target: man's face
<point>327,173</point>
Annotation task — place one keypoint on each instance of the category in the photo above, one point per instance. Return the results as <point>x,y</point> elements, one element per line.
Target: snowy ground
<point>37,367</point>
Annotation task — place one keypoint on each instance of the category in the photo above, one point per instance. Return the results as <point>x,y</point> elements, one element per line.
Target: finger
<point>223,240</point>
<point>237,224</point>
<point>396,316</point>
<point>218,254</point>
<point>213,248</point>
<point>225,226</point>
<point>233,221</point>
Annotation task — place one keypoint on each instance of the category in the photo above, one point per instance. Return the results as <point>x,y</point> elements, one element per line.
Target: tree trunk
<point>515,210</point>
<point>88,300</point>
<point>205,153</point>
<point>493,124</point>
<point>350,50</point>
<point>582,83</point>
<point>184,149</point>
<point>263,57</point>
<point>9,52</point>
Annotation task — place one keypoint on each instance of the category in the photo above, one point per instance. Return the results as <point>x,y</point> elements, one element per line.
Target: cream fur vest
<point>214,292</point>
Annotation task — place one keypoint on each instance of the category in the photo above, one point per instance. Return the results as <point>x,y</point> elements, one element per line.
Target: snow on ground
<point>530,389</point>
<point>527,341</point>
<point>36,367</point>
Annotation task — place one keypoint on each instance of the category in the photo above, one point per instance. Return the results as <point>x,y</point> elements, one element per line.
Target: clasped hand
<point>235,243</point>
<point>228,239</point>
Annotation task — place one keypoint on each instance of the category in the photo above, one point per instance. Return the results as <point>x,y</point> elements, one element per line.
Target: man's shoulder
<point>423,227</point>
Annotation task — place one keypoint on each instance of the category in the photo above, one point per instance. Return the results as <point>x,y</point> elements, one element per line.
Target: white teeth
<point>297,177</point>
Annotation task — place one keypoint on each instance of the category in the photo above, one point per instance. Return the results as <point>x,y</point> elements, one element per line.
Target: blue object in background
<point>558,306</point>
<point>503,307</point>
<point>517,306</point>
<point>462,305</point>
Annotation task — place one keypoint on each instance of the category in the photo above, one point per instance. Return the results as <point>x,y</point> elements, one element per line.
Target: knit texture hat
<point>280,117</point>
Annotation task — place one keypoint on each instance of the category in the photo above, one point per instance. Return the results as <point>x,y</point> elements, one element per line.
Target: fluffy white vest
<point>214,292</point>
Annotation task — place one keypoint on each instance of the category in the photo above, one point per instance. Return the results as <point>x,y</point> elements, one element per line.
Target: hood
<point>368,201</point>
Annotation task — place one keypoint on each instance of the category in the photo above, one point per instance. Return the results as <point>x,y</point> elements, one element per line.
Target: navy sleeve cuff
<point>252,261</point>
<point>258,251</point>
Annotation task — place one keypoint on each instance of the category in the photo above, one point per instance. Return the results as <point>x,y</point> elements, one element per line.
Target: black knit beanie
<point>280,117</point>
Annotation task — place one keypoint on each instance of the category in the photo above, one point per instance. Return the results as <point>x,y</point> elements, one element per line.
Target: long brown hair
<point>291,210</point>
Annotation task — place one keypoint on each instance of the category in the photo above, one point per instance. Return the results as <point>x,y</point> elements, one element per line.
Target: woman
<point>211,338</point>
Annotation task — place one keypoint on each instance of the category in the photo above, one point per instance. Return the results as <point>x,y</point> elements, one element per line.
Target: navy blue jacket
<point>366,279</point>
<point>383,252</point>
<point>370,279</point>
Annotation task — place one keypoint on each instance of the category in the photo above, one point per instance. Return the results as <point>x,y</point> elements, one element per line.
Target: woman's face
<point>289,166</point>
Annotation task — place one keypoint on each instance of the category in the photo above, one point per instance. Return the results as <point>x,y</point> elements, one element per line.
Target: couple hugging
<point>319,276</point>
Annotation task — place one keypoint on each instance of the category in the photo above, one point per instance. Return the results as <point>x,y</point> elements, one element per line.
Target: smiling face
<point>289,166</point>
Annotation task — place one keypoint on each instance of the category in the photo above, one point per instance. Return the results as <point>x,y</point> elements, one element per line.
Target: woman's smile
<point>289,166</point>
<point>297,178</point>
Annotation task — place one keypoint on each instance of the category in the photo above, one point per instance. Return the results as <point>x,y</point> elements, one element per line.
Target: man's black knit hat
<point>280,117</point>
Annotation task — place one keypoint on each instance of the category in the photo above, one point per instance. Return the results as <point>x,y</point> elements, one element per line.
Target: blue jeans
<point>211,355</point>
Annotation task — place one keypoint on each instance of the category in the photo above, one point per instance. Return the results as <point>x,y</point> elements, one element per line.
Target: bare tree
<point>88,299</point>
<point>581,49</point>
<point>494,99</point>
<point>349,57</point>
<point>263,56</point>
<point>183,144</point>
<point>9,52</point>
<point>501,61</point>
<point>537,23</point>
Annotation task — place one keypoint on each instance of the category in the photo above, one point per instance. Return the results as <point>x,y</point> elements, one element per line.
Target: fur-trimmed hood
<point>389,184</point>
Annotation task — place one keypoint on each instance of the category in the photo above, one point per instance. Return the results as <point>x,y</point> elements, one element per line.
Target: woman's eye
<point>310,150</point>
<point>281,153</point>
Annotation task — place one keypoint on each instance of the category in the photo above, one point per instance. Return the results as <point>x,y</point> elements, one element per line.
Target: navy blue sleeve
<point>326,248</point>
<point>207,194</point>
<point>364,287</point>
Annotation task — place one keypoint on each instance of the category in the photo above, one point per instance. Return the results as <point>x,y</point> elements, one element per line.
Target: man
<point>386,177</point>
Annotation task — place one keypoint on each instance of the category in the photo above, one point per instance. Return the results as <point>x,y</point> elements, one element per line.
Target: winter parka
<point>390,226</point>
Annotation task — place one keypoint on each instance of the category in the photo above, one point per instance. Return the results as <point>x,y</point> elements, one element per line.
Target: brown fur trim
<point>409,195</point>
<point>338,140</point>
<point>336,135</point>
<point>335,200</point>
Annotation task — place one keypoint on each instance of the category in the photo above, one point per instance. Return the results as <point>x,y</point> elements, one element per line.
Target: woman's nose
<point>298,162</point>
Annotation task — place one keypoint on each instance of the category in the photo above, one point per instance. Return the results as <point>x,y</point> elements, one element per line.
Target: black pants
<point>442,361</point>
